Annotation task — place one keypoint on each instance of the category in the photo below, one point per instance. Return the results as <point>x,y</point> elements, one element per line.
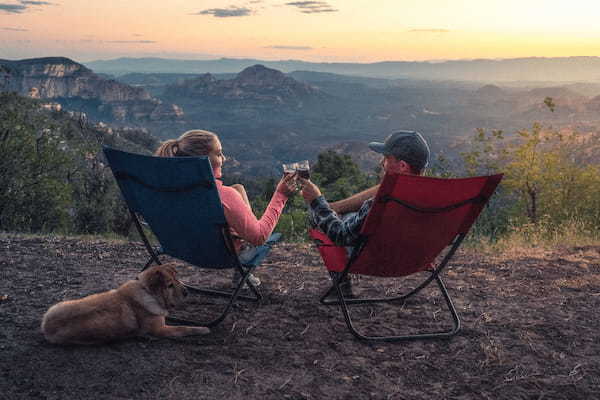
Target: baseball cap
<point>409,146</point>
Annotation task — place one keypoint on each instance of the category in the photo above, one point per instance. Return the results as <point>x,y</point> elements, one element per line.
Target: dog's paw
<point>201,330</point>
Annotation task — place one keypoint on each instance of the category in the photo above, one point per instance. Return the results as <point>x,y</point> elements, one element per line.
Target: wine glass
<point>303,169</point>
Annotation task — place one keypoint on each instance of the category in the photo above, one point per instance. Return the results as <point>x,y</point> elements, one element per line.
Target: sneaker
<point>237,277</point>
<point>345,286</point>
<point>346,289</point>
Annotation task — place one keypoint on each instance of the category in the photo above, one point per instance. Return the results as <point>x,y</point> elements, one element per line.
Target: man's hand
<point>287,185</point>
<point>310,191</point>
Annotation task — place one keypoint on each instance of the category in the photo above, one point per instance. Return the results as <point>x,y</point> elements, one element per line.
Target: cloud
<point>131,41</point>
<point>6,28</point>
<point>232,11</point>
<point>12,8</point>
<point>20,8</point>
<point>430,30</point>
<point>312,7</point>
<point>289,47</point>
<point>36,3</point>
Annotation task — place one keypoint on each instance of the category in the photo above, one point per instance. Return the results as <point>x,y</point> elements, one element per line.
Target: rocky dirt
<point>530,331</point>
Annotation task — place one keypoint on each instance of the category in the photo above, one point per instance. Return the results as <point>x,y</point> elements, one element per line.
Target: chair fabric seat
<point>401,240</point>
<point>179,200</point>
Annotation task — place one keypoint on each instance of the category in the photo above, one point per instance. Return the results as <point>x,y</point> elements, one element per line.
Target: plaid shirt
<point>343,231</point>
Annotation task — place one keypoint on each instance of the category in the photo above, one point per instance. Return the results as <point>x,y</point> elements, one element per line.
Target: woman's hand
<point>310,191</point>
<point>287,185</point>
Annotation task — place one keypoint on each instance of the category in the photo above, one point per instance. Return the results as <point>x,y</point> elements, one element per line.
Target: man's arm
<point>342,232</point>
<point>354,202</point>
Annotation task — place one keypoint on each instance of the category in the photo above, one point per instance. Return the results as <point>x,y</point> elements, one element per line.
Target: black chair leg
<point>343,302</point>
<point>232,295</point>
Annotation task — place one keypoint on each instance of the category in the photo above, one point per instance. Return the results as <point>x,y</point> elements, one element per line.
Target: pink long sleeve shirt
<point>242,220</point>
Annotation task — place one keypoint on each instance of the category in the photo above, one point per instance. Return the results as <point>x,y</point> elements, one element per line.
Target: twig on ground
<point>305,329</point>
<point>236,373</point>
<point>171,385</point>
<point>288,380</point>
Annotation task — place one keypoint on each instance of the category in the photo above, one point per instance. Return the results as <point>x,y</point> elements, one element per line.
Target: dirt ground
<point>530,331</point>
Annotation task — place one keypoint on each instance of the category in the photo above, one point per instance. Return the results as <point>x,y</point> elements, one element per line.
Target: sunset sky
<point>332,30</point>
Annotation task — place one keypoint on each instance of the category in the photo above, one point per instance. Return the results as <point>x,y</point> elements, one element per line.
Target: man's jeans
<point>346,283</point>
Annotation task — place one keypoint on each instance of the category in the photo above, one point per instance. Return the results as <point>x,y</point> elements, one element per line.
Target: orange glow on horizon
<point>350,30</point>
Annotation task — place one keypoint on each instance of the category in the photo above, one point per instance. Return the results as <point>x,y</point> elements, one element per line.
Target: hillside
<point>77,88</point>
<point>529,331</point>
<point>54,176</point>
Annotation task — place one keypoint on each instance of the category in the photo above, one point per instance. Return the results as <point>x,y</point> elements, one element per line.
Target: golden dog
<point>137,307</point>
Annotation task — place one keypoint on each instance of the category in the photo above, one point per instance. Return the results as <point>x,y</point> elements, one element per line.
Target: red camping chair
<point>412,220</point>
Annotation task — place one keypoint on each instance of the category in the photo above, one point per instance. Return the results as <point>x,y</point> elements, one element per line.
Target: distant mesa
<point>490,91</point>
<point>72,85</point>
<point>256,83</point>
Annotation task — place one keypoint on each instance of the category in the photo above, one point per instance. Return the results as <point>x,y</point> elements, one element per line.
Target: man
<point>404,152</point>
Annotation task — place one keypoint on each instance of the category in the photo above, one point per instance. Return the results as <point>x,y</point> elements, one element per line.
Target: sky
<point>317,31</point>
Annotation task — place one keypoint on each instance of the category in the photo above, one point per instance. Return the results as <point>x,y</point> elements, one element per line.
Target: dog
<point>137,307</point>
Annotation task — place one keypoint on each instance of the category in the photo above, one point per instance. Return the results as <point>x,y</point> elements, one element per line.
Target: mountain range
<point>534,69</point>
<point>265,116</point>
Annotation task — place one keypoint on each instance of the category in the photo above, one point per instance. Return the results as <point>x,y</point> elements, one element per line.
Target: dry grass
<point>537,239</point>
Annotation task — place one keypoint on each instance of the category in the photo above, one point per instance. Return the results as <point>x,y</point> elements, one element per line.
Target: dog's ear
<point>156,280</point>
<point>171,269</point>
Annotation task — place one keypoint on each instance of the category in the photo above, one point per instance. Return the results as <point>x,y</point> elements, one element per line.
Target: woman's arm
<point>242,191</point>
<point>242,220</point>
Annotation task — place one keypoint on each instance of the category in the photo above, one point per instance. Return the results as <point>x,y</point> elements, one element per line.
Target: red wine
<point>304,173</point>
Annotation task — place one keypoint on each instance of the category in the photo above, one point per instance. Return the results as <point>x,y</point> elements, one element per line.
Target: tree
<point>332,166</point>
<point>338,176</point>
<point>546,177</point>
<point>34,195</point>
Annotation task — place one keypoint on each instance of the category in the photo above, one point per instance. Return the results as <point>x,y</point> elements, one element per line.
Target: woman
<point>238,213</point>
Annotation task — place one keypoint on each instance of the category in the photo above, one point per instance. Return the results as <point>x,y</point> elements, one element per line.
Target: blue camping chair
<point>178,199</point>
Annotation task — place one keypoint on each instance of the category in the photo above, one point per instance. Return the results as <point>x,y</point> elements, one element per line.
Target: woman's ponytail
<point>191,143</point>
<point>168,148</point>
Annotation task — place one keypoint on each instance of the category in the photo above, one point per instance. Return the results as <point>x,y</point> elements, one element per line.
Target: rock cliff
<point>73,85</point>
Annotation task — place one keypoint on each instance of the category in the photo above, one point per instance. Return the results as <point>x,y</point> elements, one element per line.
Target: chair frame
<point>244,269</point>
<point>233,295</point>
<point>343,302</point>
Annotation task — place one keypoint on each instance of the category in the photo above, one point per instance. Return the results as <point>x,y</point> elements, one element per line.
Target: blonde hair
<point>192,143</point>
